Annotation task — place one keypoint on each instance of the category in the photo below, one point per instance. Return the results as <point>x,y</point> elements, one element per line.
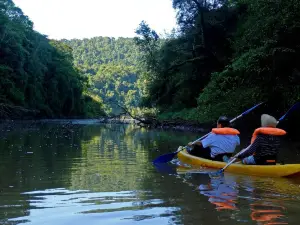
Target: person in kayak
<point>265,143</point>
<point>221,143</point>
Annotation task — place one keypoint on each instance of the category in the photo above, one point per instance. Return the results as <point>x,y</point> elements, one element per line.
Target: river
<point>102,174</point>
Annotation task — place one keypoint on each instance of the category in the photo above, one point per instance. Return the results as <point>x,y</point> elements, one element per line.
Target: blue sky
<point>89,18</point>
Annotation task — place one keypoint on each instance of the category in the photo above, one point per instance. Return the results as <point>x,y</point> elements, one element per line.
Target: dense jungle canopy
<point>37,74</point>
<point>111,65</point>
<point>225,56</point>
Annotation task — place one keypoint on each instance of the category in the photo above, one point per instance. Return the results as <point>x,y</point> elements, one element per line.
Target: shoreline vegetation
<point>37,75</point>
<point>9,124</point>
<point>225,57</point>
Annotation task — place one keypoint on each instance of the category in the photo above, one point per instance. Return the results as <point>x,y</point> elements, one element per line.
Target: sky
<point>69,19</point>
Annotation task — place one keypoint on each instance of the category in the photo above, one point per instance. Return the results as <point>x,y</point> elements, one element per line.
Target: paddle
<point>169,156</point>
<point>295,106</point>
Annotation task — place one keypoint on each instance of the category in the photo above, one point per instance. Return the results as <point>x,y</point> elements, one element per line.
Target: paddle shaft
<point>234,159</point>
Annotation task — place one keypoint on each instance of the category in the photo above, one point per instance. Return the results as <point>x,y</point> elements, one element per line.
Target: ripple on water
<point>61,206</point>
<point>106,176</point>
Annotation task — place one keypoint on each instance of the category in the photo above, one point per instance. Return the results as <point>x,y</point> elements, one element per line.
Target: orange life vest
<point>267,130</point>
<point>225,131</point>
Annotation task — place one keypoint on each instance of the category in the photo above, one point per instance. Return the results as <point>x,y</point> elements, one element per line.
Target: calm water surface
<point>102,174</point>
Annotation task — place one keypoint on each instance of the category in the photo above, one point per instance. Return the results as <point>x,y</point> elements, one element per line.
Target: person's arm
<point>250,150</point>
<point>205,142</point>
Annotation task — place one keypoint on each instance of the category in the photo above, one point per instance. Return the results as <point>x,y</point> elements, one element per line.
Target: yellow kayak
<point>255,170</point>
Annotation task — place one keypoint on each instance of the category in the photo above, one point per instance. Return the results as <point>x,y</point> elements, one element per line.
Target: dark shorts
<point>199,151</point>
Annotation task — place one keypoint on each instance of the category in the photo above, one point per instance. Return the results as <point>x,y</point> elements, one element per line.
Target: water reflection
<point>242,198</point>
<point>221,192</point>
<point>268,214</point>
<point>102,174</point>
<point>87,174</point>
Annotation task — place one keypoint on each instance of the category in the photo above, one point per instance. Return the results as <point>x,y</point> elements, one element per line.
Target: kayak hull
<point>255,170</point>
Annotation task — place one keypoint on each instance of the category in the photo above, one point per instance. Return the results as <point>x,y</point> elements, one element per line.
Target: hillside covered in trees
<point>37,74</point>
<point>226,56</point>
<point>112,67</point>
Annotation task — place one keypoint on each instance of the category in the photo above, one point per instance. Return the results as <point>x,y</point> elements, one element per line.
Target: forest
<point>111,66</point>
<point>225,56</point>
<point>38,78</point>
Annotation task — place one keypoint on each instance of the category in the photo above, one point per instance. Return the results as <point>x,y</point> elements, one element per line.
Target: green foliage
<point>115,83</point>
<point>93,106</point>
<point>111,67</point>
<point>36,73</point>
<point>183,115</point>
<point>227,56</point>
<point>266,64</point>
<point>179,66</point>
<point>90,53</point>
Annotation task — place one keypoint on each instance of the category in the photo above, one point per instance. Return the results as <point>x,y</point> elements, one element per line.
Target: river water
<point>102,174</point>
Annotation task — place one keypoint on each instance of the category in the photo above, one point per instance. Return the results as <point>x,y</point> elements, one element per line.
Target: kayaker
<point>220,143</point>
<point>265,143</point>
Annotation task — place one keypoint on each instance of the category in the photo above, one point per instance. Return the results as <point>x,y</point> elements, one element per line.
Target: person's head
<point>268,121</point>
<point>223,121</point>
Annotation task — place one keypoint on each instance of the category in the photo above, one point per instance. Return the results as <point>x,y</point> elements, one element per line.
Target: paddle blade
<point>165,158</point>
<point>216,174</point>
<point>165,168</point>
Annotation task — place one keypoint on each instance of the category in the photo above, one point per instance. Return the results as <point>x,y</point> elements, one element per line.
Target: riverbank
<point>8,125</point>
<point>170,125</point>
<point>163,125</point>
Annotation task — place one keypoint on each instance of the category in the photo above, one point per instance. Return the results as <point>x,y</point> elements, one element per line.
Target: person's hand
<point>237,160</point>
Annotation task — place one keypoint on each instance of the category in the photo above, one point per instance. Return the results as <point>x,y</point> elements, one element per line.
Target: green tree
<point>265,66</point>
<point>226,55</point>
<point>181,66</point>
<point>36,73</point>
<point>112,68</point>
